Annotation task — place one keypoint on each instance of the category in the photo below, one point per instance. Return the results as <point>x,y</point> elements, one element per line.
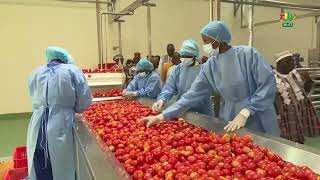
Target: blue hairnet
<point>53,52</point>
<point>144,65</point>
<point>218,31</point>
<point>189,48</point>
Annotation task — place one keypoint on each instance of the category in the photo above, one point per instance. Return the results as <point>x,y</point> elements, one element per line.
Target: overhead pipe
<point>99,32</point>
<point>85,1</point>
<point>149,31</point>
<point>120,37</point>
<point>131,7</point>
<point>251,25</point>
<point>210,10</point>
<point>276,4</point>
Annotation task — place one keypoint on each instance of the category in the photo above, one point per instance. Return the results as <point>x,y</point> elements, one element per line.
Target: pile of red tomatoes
<point>109,93</point>
<point>178,150</point>
<point>97,70</point>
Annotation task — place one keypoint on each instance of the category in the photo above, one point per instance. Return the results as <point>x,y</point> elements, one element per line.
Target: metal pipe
<point>98,31</point>
<point>84,1</point>
<point>120,37</point>
<point>218,9</point>
<point>106,37</point>
<point>318,35</point>
<point>251,25</point>
<point>131,7</point>
<point>210,10</point>
<point>114,13</point>
<point>149,31</point>
<point>276,4</point>
<point>102,43</point>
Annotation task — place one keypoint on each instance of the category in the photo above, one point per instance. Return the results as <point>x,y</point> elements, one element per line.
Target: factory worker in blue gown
<point>181,78</point>
<point>58,90</point>
<point>146,83</point>
<point>242,78</point>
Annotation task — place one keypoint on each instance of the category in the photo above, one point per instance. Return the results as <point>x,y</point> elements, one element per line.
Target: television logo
<point>287,19</point>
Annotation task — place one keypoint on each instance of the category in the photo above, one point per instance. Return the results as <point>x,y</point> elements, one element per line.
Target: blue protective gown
<point>149,86</point>
<point>179,82</point>
<point>58,92</point>
<point>243,79</point>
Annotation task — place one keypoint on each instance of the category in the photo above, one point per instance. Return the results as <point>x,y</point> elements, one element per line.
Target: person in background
<point>175,61</point>
<point>146,83</point>
<point>296,114</point>
<point>58,90</point>
<point>170,51</point>
<point>297,60</point>
<point>181,78</point>
<point>129,72</point>
<point>155,61</point>
<point>166,62</point>
<point>136,57</point>
<point>240,76</point>
<point>118,59</point>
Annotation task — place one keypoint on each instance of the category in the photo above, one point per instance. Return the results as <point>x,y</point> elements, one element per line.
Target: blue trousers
<point>42,164</point>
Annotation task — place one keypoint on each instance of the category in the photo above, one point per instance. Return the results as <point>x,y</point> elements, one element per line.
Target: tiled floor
<point>13,131</point>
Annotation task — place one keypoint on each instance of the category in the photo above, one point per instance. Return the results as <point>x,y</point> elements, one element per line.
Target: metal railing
<point>314,95</point>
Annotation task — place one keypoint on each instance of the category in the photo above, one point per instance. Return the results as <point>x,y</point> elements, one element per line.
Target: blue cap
<point>144,65</point>
<point>217,30</point>
<point>189,48</point>
<point>53,52</point>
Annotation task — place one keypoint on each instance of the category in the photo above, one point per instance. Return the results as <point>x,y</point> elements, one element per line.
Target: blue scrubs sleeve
<point>170,88</point>
<point>199,89</point>
<point>83,93</point>
<point>133,86</point>
<point>265,93</point>
<point>153,83</point>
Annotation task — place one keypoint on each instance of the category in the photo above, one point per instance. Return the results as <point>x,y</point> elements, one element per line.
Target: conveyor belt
<point>102,165</point>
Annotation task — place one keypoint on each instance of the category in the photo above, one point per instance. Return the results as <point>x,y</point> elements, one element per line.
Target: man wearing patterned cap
<point>296,114</point>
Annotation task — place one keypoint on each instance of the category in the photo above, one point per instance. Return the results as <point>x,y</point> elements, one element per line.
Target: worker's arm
<point>170,88</point>
<point>264,95</point>
<point>200,88</point>
<point>133,85</point>
<point>83,92</point>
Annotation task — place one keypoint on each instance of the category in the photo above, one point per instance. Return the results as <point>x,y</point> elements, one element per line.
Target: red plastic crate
<point>20,157</point>
<point>16,174</point>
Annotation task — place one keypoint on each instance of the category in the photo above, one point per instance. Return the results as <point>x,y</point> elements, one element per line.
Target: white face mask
<point>143,74</point>
<point>207,48</point>
<point>187,61</point>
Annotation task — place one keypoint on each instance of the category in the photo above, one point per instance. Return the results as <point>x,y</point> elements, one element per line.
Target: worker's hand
<point>130,94</point>
<point>157,106</point>
<point>151,120</point>
<point>124,92</point>
<point>239,121</point>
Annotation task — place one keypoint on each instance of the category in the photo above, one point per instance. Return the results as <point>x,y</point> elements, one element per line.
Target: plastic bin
<point>16,174</point>
<point>20,157</point>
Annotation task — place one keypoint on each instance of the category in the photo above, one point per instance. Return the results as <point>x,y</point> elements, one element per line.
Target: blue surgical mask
<point>187,61</point>
<point>143,74</point>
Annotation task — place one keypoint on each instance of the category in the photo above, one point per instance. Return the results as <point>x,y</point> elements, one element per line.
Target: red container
<point>20,157</point>
<point>16,174</point>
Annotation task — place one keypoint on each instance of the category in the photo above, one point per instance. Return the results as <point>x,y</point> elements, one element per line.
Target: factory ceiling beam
<point>131,7</point>
<point>84,1</point>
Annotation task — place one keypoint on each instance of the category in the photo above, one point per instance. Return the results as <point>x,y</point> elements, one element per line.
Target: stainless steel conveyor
<point>95,162</point>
